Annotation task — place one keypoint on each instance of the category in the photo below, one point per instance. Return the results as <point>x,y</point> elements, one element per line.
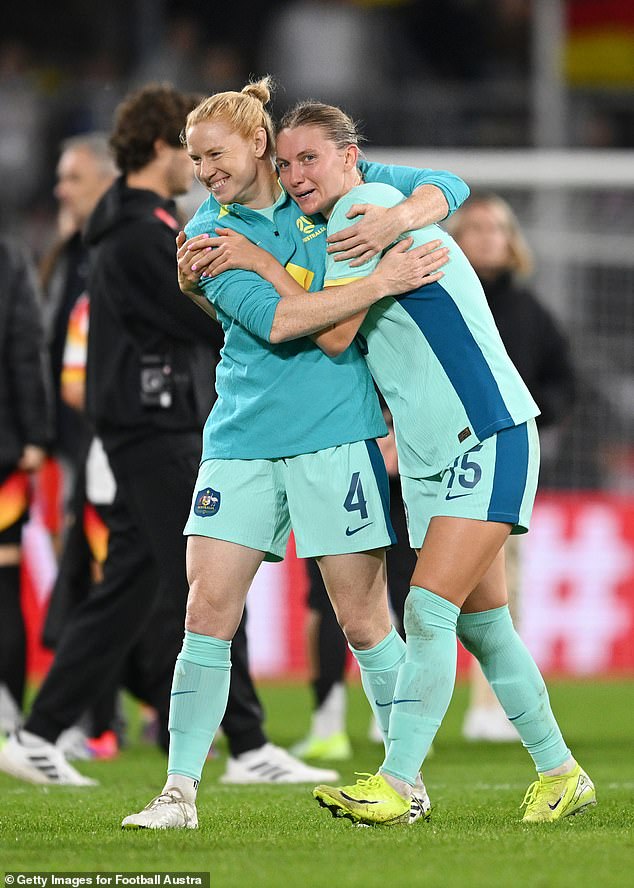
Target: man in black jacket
<point>150,384</point>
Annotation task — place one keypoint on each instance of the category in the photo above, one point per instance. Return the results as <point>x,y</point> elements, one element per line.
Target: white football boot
<point>170,810</point>
<point>420,805</point>
<point>272,764</point>
<point>31,758</point>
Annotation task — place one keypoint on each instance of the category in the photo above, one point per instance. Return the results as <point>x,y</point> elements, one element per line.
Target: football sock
<point>425,682</point>
<point>513,674</point>
<point>187,786</point>
<point>199,698</point>
<point>379,670</point>
<point>400,786</point>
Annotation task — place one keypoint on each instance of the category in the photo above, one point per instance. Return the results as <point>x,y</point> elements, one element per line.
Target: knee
<point>363,631</point>
<point>209,613</point>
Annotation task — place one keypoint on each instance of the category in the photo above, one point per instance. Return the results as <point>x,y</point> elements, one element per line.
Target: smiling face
<point>227,163</point>
<point>313,170</point>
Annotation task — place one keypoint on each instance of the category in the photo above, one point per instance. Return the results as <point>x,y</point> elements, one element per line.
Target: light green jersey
<point>435,354</point>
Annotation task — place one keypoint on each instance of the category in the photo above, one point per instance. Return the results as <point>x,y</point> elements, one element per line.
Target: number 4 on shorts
<point>355,500</point>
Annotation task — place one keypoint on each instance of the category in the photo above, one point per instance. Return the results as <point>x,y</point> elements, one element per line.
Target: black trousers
<point>129,629</point>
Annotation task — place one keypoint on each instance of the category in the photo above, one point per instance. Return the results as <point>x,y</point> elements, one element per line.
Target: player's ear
<point>351,156</point>
<point>260,141</point>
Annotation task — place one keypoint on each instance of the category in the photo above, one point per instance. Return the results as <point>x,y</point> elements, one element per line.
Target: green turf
<point>278,837</point>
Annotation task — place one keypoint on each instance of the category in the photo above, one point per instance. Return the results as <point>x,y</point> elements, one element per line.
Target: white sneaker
<point>420,805</point>
<point>272,764</point>
<point>169,810</point>
<point>29,757</point>
<point>10,715</point>
<point>73,742</point>
<point>489,724</point>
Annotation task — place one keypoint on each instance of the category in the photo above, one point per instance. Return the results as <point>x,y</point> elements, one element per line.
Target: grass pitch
<point>278,837</point>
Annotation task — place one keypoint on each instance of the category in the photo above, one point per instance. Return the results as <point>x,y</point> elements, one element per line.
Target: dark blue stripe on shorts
<point>380,473</point>
<point>511,469</point>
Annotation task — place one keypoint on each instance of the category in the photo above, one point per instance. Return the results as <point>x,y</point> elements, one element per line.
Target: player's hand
<point>231,250</point>
<point>32,458</point>
<point>191,256</point>
<point>403,269</point>
<point>377,228</point>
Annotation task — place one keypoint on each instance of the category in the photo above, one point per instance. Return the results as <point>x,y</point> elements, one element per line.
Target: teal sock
<point>425,682</point>
<point>517,682</point>
<point>200,689</point>
<point>379,668</point>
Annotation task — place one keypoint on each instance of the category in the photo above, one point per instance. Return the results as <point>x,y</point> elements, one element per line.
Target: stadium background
<point>532,98</point>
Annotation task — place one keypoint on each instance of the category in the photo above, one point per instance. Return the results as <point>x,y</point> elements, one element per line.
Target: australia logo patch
<point>207,502</point>
<point>305,225</point>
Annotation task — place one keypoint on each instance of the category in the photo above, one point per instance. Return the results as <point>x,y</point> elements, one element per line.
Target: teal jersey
<point>435,354</point>
<point>286,399</point>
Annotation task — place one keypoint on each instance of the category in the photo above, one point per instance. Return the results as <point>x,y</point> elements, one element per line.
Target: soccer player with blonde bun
<point>291,438</point>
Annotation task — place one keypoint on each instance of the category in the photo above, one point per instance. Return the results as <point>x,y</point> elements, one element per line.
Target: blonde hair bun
<point>260,89</point>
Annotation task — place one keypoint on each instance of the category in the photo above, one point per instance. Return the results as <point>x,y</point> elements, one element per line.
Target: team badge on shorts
<point>207,502</point>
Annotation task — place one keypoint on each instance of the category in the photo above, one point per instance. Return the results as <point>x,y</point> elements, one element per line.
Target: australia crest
<point>207,502</point>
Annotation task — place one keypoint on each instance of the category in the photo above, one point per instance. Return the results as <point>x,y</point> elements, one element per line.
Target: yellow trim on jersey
<point>303,276</point>
<point>340,282</point>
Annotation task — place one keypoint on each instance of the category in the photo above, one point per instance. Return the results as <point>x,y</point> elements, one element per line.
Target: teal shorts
<point>494,481</point>
<point>335,500</point>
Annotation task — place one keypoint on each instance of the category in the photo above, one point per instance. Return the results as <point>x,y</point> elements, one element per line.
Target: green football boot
<point>370,800</point>
<point>551,798</point>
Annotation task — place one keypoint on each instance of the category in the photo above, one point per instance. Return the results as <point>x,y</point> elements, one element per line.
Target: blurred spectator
<point>84,171</point>
<point>488,232</point>
<point>25,431</point>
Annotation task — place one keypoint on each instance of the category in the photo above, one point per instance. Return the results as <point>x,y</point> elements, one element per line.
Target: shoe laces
<point>165,798</point>
<point>366,781</point>
<point>540,791</point>
<point>531,794</point>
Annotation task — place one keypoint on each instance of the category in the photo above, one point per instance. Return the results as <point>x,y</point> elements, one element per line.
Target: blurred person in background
<point>85,170</point>
<point>25,432</point>
<point>489,233</point>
